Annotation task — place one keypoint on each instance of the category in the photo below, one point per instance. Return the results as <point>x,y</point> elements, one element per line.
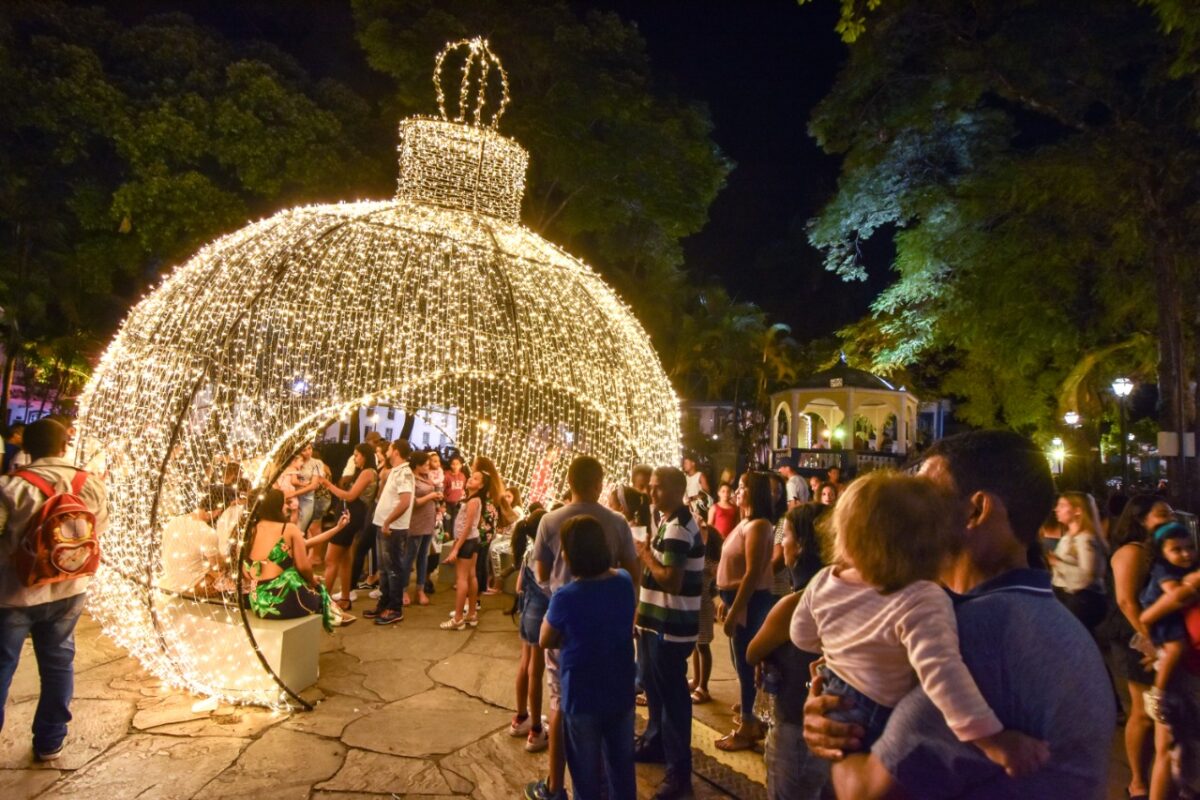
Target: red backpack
<point>60,542</point>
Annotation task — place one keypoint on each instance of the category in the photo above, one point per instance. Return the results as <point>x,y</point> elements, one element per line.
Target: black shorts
<point>469,548</point>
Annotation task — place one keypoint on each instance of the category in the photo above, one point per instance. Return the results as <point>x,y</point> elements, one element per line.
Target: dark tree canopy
<point>124,148</point>
<point>1036,164</point>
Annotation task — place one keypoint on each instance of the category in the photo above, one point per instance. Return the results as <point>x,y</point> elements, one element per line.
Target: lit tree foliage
<point>1036,164</point>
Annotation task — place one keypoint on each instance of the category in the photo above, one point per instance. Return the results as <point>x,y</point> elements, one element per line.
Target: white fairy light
<point>437,299</point>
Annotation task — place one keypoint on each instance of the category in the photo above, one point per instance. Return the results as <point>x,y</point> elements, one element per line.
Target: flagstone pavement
<point>404,711</point>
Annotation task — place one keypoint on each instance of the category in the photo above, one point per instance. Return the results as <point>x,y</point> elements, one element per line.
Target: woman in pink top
<point>883,625</point>
<point>744,586</point>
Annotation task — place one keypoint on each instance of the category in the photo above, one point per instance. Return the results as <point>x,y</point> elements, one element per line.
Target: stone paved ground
<point>406,711</point>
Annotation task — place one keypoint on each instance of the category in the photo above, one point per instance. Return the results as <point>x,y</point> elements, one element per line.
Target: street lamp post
<point>1122,388</point>
<point>1072,420</point>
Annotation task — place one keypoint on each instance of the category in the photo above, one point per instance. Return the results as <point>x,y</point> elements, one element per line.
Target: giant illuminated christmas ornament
<point>438,299</point>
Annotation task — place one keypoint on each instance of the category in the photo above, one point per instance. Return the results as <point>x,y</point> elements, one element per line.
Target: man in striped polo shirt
<point>668,622</point>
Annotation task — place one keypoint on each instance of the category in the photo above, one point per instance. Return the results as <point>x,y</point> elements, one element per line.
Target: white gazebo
<point>825,410</point>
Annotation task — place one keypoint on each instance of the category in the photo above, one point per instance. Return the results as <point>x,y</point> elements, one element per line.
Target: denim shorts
<point>866,712</point>
<point>533,611</point>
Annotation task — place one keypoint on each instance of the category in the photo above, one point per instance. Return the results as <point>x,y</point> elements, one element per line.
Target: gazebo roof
<point>842,375</point>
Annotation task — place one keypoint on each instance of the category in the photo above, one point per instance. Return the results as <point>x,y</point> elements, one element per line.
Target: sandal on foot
<point>472,620</point>
<point>700,697</point>
<point>451,625</point>
<point>344,604</point>
<point>734,741</point>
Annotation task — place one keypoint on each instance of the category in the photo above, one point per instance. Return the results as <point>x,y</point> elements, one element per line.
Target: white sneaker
<point>353,595</point>
<point>520,728</point>
<point>375,594</point>
<point>537,741</point>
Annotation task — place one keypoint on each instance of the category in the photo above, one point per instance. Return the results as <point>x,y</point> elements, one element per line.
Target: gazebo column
<point>902,427</point>
<point>794,408</point>
<point>850,409</point>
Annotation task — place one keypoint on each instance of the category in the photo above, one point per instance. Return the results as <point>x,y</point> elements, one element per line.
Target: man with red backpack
<point>51,517</point>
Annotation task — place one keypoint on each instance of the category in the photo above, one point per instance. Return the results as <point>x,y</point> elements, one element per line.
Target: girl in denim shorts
<point>532,603</point>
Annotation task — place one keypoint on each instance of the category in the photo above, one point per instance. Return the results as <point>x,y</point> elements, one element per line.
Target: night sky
<point>759,65</point>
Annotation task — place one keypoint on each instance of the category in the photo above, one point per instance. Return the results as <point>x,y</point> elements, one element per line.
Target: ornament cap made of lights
<point>437,302</point>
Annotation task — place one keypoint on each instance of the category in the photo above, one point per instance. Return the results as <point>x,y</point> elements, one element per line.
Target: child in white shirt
<point>883,625</point>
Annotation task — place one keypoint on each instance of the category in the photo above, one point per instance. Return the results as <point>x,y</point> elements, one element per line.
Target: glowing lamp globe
<point>436,299</point>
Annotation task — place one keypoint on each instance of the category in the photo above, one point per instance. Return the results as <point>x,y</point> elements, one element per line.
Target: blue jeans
<point>391,570</point>
<point>416,554</point>
<point>600,748</point>
<point>756,613</point>
<point>307,506</point>
<point>668,701</point>
<point>793,773</point>
<point>52,626</point>
<point>866,712</point>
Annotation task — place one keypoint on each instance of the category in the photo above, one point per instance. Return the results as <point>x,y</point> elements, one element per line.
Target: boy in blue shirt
<point>590,621</point>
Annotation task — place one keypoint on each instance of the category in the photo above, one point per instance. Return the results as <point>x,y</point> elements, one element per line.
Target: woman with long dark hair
<point>359,498</point>
<point>1130,567</point>
<point>744,585</point>
<point>282,584</point>
<point>496,513</point>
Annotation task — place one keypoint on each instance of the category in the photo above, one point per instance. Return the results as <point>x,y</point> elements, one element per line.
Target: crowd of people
<point>952,631</point>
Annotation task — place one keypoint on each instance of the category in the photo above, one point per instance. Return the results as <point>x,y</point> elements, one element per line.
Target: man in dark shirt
<point>1035,664</point>
<point>633,501</point>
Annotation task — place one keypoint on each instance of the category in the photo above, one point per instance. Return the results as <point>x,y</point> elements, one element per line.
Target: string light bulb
<point>436,302</point>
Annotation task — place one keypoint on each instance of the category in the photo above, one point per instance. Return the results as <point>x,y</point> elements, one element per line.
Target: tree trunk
<point>1172,376</point>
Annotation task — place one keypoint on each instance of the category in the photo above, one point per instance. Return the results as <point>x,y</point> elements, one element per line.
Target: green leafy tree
<point>1036,165</point>
<point>126,147</point>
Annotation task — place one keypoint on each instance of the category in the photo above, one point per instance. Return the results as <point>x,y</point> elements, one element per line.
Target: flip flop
<point>700,697</point>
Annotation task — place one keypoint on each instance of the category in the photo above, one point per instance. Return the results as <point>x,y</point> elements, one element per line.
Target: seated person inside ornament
<point>195,558</point>
<point>281,580</point>
<point>224,494</point>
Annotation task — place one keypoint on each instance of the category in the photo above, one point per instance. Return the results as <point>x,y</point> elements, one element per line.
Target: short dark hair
<point>13,428</point>
<point>642,469</point>
<point>418,459</point>
<point>584,474</point>
<point>402,447</point>
<point>586,547</point>
<point>673,477</point>
<point>1009,466</point>
<point>45,438</point>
